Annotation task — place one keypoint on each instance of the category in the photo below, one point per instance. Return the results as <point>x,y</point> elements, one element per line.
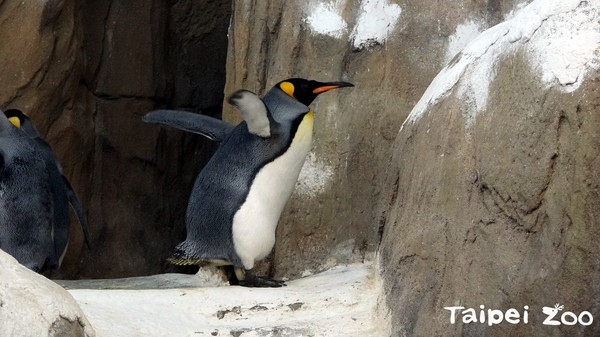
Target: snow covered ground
<point>343,301</point>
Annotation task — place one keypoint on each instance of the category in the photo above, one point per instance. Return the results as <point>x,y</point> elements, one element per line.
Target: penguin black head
<point>16,117</point>
<point>21,121</point>
<point>305,91</point>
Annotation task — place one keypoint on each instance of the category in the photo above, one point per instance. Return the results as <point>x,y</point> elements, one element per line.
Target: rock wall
<point>164,56</point>
<point>86,72</point>
<point>493,190</point>
<point>40,68</point>
<point>390,50</point>
<point>486,195</point>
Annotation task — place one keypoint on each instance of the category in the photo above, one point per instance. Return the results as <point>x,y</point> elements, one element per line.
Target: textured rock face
<point>390,50</point>
<point>493,191</point>
<point>31,305</point>
<point>40,65</point>
<point>85,72</point>
<point>165,56</point>
<point>490,195</point>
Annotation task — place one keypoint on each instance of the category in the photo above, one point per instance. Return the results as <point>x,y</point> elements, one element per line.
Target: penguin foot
<point>241,277</point>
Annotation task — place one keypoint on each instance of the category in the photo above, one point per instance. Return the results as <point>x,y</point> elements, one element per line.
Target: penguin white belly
<point>255,222</point>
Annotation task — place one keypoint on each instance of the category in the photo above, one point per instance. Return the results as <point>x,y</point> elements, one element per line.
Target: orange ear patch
<point>15,121</point>
<point>288,88</point>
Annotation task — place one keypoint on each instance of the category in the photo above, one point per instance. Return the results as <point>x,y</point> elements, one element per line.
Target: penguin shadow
<point>175,269</point>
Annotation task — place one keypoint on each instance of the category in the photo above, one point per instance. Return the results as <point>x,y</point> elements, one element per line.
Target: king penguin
<point>239,195</point>
<point>61,189</point>
<point>26,203</point>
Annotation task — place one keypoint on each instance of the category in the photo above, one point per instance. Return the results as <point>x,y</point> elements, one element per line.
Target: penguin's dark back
<point>25,202</point>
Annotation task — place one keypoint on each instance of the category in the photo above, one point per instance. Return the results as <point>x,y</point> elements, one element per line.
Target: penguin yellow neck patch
<point>15,121</point>
<point>310,115</point>
<point>305,128</point>
<point>288,88</point>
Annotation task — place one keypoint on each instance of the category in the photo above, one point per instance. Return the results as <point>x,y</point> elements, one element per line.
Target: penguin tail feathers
<point>181,262</point>
<point>182,258</point>
<point>186,254</point>
<point>185,262</point>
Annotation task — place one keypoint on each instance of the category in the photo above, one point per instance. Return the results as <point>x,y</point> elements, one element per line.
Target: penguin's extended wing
<point>254,112</point>
<point>74,201</point>
<point>211,128</point>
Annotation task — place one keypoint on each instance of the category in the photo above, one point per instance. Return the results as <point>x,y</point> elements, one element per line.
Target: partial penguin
<point>26,202</point>
<point>62,191</point>
<point>239,195</point>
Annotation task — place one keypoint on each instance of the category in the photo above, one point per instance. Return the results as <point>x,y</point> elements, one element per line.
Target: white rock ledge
<point>33,306</point>
<point>340,302</point>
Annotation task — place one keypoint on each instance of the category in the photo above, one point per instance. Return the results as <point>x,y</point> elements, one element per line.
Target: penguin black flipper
<point>78,208</point>
<point>254,112</point>
<point>58,192</point>
<point>211,128</point>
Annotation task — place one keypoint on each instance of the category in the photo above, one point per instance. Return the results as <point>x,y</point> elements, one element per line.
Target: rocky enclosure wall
<point>85,72</point>
<point>488,193</point>
<point>492,194</point>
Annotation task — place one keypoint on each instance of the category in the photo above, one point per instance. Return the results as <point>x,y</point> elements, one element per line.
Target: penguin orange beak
<point>324,87</point>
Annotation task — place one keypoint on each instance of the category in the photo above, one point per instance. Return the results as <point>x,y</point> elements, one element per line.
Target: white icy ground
<point>342,301</point>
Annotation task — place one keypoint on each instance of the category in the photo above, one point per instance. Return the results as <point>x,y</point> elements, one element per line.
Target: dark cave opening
<point>138,56</point>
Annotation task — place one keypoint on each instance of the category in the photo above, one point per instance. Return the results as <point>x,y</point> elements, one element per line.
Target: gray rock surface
<point>487,195</point>
<point>492,193</point>
<point>206,277</point>
<point>142,55</point>
<point>339,302</point>
<point>85,77</point>
<point>32,305</point>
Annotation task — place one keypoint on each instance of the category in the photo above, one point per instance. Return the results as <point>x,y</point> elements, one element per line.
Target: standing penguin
<point>239,195</point>
<point>26,203</point>
<point>61,190</point>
